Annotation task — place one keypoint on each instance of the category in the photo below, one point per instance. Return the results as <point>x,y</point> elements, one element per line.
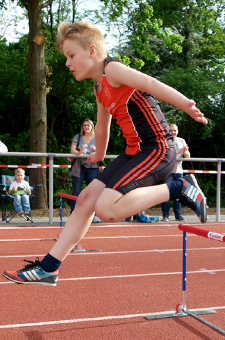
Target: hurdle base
<point>79,249</point>
<point>192,314</point>
<point>172,315</point>
<point>83,250</point>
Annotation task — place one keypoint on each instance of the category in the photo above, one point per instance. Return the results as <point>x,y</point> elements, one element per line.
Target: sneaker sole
<point>29,282</point>
<point>203,204</point>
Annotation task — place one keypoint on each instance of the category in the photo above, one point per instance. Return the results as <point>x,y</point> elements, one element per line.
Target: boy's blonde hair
<point>83,33</point>
<point>19,170</point>
<point>92,125</point>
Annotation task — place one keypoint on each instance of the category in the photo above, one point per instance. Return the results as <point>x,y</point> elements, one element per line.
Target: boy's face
<point>19,176</point>
<point>79,60</point>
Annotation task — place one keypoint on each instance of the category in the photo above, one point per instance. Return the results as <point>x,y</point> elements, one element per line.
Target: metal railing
<point>51,157</point>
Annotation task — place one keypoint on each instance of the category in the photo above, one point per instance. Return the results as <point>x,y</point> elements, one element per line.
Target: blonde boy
<point>21,200</point>
<point>125,187</point>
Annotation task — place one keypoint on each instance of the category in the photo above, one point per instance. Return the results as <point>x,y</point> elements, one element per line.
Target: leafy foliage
<point>179,42</point>
<point>14,104</point>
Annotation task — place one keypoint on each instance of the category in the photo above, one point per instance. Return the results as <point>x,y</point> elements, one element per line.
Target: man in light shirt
<point>3,147</point>
<point>177,172</point>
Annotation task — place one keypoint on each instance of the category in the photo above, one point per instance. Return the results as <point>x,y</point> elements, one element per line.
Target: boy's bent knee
<point>107,217</point>
<point>106,214</point>
<point>106,208</point>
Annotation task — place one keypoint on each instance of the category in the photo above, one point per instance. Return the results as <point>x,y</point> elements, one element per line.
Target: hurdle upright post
<point>61,210</point>
<point>184,270</point>
<point>218,191</point>
<point>51,161</point>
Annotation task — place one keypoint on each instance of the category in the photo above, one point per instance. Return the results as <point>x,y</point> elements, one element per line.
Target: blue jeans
<point>87,174</point>
<point>22,202</point>
<point>176,205</point>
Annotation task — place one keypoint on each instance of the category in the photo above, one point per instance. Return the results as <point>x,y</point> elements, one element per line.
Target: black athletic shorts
<point>126,173</point>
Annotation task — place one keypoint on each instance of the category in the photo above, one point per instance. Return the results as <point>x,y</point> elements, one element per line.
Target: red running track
<point>106,295</point>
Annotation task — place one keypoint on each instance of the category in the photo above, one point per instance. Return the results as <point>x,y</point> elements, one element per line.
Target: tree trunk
<point>38,108</point>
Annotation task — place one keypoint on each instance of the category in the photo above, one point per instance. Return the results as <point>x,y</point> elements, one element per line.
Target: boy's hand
<point>195,113</point>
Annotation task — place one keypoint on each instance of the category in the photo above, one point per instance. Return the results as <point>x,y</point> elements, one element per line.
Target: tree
<point>64,98</point>
<point>38,108</point>
<point>198,71</point>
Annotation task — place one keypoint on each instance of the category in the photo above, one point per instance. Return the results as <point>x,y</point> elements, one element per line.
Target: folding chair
<point>8,209</point>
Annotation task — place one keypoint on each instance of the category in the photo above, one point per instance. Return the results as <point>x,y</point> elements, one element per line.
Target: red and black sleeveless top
<point>137,113</point>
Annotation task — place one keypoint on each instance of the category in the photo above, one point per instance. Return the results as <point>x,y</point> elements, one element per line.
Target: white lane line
<point>100,237</point>
<point>130,236</point>
<point>96,319</point>
<point>121,276</point>
<point>100,225</point>
<point>30,227</point>
<point>97,238</point>
<point>115,252</point>
<point>22,239</point>
<point>137,275</point>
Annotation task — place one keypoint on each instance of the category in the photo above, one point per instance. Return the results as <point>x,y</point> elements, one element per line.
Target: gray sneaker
<point>96,219</point>
<point>165,219</point>
<point>181,218</point>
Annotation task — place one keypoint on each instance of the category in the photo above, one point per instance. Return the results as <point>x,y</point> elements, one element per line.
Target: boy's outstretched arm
<point>118,74</point>
<point>102,131</point>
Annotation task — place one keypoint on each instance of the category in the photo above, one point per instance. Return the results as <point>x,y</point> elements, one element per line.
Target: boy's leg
<point>25,202</point>
<point>112,206</point>
<point>130,186</point>
<point>79,221</point>
<point>74,229</point>
<point>17,203</point>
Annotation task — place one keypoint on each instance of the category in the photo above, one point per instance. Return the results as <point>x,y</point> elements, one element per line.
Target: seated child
<point>21,200</point>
